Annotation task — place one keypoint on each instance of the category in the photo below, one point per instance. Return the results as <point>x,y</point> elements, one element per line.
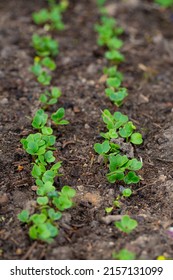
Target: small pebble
<point>3,199</point>
<point>87,126</point>
<point>4,101</point>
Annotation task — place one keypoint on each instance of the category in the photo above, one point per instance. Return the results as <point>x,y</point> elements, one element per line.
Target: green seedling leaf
<point>43,232</point>
<point>54,216</point>
<point>45,188</point>
<point>52,229</point>
<point>49,176</point>
<point>127,192</point>
<point>165,3</point>
<point>34,144</point>
<point>127,130</point>
<point>108,210</point>
<point>42,200</point>
<point>136,138</point>
<point>32,148</point>
<point>33,232</point>
<point>44,45</point>
<point>114,55</point>
<point>41,17</point>
<point>58,116</point>
<point>114,43</point>
<point>134,164</point>
<point>69,192</point>
<point>102,148</point>
<point>62,202</point>
<point>43,98</point>
<point>101,3</point>
<point>38,170</point>
<point>38,218</point>
<point>49,140</point>
<point>116,96</point>
<point>117,175</point>
<point>126,224</point>
<point>131,178</point>
<point>112,72</point>
<point>56,166</point>
<point>115,149</point>
<point>40,119</point>
<point>44,78</point>
<point>46,130</point>
<point>120,119</point>
<point>113,82</point>
<point>124,255</point>
<point>36,69</point>
<point>56,92</point>
<point>23,216</point>
<point>108,119</point>
<point>49,156</point>
<point>111,134</point>
<point>117,161</point>
<point>49,63</point>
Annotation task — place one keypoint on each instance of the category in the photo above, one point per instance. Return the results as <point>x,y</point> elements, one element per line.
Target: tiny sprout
<point>127,192</point>
<point>124,254</point>
<point>58,116</point>
<point>108,209</point>
<point>126,224</point>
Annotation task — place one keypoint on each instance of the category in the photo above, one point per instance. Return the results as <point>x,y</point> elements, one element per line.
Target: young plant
<point>45,45</point>
<point>50,97</point>
<point>124,254</point>
<point>37,144</point>
<point>52,17</point>
<point>41,69</point>
<point>58,117</point>
<point>121,126</point>
<point>112,72</point>
<point>127,225</point>
<point>117,96</point>
<point>119,169</point>
<point>114,56</point>
<point>165,3</point>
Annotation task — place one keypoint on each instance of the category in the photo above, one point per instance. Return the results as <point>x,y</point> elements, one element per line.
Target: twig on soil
<point>29,251</point>
<point>111,218</point>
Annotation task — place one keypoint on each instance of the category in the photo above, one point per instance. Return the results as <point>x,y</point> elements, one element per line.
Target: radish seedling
<point>45,45</point>
<point>126,224</point>
<point>41,69</point>
<point>124,254</point>
<point>117,96</point>
<point>58,116</point>
<point>52,16</point>
<point>121,125</point>
<point>165,3</point>
<point>112,72</point>
<point>115,56</point>
<point>50,98</point>
<point>40,119</point>
<point>118,167</point>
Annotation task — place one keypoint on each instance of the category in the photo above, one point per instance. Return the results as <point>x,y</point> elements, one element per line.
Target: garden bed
<point>84,231</point>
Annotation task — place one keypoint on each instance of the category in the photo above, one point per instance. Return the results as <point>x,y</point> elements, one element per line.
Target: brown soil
<point>148,48</point>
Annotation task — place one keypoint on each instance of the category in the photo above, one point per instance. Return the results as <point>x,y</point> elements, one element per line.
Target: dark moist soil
<point>84,231</point>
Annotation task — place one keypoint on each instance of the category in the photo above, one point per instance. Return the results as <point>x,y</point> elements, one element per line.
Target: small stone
<point>3,199</point>
<point>76,109</point>
<point>34,188</point>
<point>91,83</point>
<point>87,126</point>
<point>80,188</point>
<point>4,101</point>
<point>92,69</point>
<point>19,251</point>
